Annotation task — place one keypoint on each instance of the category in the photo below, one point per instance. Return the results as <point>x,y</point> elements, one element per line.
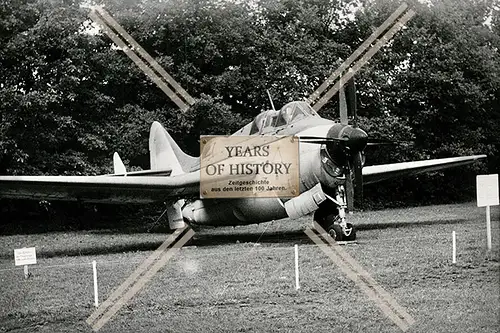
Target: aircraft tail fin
<point>166,154</point>
<point>118,166</point>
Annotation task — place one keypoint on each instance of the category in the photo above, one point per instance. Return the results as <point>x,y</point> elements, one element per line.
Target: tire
<point>350,236</point>
<point>336,232</point>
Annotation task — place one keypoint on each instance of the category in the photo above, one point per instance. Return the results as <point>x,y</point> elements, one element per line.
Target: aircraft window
<point>294,111</point>
<point>306,109</point>
<point>290,113</point>
<point>271,120</point>
<point>268,116</point>
<point>254,128</point>
<point>285,115</point>
<point>257,123</point>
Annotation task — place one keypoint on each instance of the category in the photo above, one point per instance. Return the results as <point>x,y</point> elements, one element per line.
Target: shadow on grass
<point>298,236</point>
<point>210,237</point>
<point>386,225</point>
<point>98,250</point>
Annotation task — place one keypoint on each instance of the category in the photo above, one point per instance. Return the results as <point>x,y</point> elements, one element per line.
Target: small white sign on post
<point>487,190</point>
<point>24,257</point>
<point>487,195</point>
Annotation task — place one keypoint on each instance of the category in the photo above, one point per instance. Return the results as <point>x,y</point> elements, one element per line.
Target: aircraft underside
<point>329,213</point>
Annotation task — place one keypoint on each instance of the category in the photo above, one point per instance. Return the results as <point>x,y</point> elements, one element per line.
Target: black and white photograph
<point>249,166</point>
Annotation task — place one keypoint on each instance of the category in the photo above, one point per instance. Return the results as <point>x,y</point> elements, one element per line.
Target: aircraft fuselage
<point>315,167</point>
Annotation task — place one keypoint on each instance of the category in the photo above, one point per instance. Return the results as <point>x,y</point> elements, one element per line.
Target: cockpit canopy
<point>288,114</point>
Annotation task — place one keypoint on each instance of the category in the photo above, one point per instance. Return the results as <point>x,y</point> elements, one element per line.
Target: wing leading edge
<point>100,189</point>
<point>377,173</point>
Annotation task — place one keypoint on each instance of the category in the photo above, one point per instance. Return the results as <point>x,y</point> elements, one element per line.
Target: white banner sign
<point>487,190</point>
<point>25,256</point>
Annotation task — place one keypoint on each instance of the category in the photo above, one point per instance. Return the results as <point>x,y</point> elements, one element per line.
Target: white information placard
<point>487,190</point>
<point>25,256</point>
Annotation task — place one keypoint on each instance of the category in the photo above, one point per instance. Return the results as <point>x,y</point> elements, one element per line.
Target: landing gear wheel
<point>335,231</point>
<point>350,233</point>
<point>328,223</point>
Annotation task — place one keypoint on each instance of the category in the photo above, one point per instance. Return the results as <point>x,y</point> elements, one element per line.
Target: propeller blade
<point>352,101</point>
<point>321,140</point>
<point>349,190</point>
<point>386,142</point>
<point>381,143</point>
<point>358,179</point>
<point>342,104</point>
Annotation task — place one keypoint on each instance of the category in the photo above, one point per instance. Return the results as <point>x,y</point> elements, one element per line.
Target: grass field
<point>242,279</point>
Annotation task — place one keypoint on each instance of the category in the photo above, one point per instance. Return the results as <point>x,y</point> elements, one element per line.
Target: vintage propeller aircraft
<point>332,174</point>
<point>332,171</point>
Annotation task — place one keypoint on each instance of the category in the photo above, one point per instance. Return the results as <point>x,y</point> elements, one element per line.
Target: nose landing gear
<point>331,217</point>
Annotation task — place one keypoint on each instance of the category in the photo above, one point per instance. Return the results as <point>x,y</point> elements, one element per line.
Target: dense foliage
<point>69,99</point>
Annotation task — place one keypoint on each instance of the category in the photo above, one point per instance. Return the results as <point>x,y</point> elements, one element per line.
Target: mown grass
<point>234,285</point>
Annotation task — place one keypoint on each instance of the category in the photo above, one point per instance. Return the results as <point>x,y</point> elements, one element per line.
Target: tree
<point>69,98</point>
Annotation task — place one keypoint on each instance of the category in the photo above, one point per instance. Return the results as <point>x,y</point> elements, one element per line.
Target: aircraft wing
<point>149,188</point>
<point>99,189</point>
<point>377,173</point>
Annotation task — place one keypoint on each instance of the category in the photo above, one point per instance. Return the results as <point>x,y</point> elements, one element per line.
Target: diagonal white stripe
<point>142,65</point>
<point>143,280</point>
<point>356,279</point>
<point>138,271</point>
<point>315,95</point>
<point>368,55</point>
<point>190,100</point>
<point>363,273</point>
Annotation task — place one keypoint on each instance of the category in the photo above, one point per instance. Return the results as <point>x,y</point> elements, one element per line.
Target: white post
<point>96,296</point>
<point>454,241</point>
<point>26,272</point>
<point>297,286</point>
<point>488,227</point>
